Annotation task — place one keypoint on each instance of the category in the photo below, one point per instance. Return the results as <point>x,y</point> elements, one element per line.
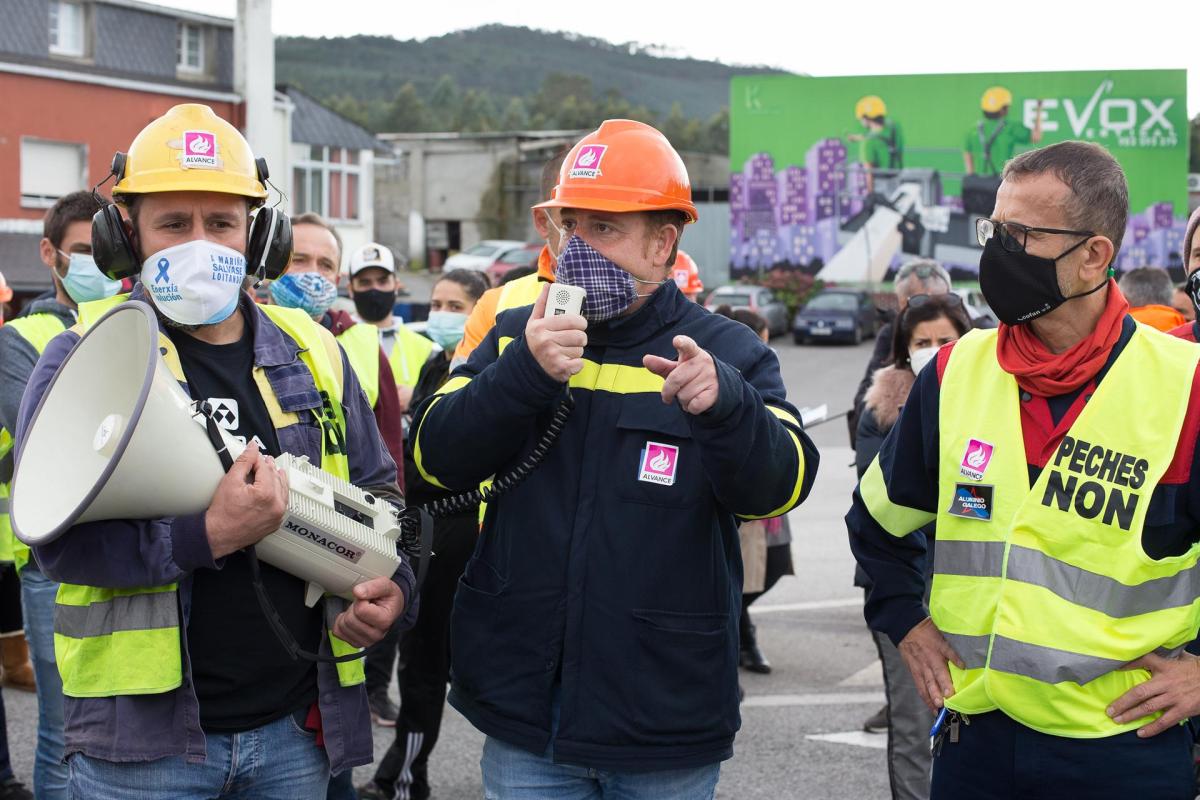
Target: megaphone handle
<point>215,437</point>
<point>281,631</point>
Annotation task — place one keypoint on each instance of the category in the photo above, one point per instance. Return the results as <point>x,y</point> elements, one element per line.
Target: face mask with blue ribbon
<point>446,327</point>
<point>610,289</point>
<point>311,293</point>
<point>195,283</point>
<point>84,282</point>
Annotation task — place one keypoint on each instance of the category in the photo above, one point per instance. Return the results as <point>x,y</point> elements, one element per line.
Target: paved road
<point>826,679</point>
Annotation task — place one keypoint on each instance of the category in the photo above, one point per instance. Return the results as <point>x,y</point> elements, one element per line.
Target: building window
<point>328,183</point>
<point>189,47</point>
<point>49,170</point>
<point>66,29</point>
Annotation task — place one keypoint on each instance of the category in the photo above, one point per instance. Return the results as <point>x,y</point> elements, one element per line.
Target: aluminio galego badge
<point>972,501</point>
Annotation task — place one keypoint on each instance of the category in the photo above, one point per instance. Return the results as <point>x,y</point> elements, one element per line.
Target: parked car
<point>758,299</point>
<point>527,256</point>
<point>482,255</point>
<point>846,315</point>
<point>978,310</point>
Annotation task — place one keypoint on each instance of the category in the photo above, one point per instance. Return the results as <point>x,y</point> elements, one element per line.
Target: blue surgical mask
<point>446,327</point>
<point>84,282</point>
<point>311,293</point>
<point>610,290</point>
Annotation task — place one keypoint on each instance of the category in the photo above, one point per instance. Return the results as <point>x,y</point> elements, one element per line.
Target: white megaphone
<point>115,437</point>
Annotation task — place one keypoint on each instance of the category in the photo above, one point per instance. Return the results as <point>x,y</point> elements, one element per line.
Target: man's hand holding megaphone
<point>250,504</point>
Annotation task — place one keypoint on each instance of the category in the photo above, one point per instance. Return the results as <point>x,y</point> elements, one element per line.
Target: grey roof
<point>128,39</point>
<point>313,123</point>
<point>20,263</point>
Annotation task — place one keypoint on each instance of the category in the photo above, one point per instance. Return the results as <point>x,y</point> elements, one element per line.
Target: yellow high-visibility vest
<point>38,330</point>
<point>361,343</point>
<point>1045,591</point>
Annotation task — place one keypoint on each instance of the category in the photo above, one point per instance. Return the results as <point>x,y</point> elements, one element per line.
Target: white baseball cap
<point>372,254</point>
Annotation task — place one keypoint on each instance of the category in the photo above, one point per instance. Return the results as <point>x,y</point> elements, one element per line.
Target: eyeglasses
<point>1013,235</point>
<point>949,299</point>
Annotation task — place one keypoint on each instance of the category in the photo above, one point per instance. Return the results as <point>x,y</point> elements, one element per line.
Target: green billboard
<point>850,176</point>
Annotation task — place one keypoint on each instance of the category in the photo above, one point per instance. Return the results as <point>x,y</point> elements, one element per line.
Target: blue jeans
<point>510,773</point>
<point>37,604</point>
<point>278,761</point>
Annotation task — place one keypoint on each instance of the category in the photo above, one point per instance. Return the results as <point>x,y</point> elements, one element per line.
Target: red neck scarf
<point>1041,372</point>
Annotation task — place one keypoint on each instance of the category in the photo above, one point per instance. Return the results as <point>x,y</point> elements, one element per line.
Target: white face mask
<point>195,283</point>
<point>919,358</point>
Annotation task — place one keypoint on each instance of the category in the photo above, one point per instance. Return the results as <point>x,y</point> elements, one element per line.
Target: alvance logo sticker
<point>587,163</point>
<point>976,459</point>
<point>659,463</point>
<point>199,150</point>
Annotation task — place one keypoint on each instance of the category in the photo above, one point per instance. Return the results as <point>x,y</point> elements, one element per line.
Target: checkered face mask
<point>610,289</point>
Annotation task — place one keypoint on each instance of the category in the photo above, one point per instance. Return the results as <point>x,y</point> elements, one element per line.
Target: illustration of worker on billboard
<point>882,146</point>
<point>994,139</point>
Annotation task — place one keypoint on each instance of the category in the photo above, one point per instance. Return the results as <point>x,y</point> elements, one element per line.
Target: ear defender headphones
<point>268,245</point>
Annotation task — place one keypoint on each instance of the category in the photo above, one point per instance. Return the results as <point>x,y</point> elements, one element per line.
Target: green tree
<point>406,113</point>
<point>444,103</point>
<point>716,133</point>
<point>476,113</point>
<point>351,108</point>
<point>515,116</point>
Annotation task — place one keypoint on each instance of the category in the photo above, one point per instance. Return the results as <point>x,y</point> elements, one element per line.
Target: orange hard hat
<point>687,276</point>
<point>6,293</point>
<point>623,166</point>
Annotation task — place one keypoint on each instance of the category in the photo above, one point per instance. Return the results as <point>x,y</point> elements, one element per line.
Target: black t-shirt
<point>244,678</point>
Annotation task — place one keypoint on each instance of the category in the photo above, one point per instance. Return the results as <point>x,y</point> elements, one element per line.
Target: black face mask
<point>1021,287</point>
<point>374,305</point>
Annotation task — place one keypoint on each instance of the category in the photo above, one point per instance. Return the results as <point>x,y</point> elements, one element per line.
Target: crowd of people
<point>611,492</point>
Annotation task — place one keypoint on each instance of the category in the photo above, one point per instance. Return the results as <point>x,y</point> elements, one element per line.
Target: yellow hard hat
<point>870,106</point>
<point>995,98</point>
<point>189,148</point>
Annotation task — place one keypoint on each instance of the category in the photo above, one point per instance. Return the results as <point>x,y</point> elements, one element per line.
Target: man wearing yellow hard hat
<point>995,138</point>
<point>882,146</point>
<point>594,632</point>
<point>176,686</point>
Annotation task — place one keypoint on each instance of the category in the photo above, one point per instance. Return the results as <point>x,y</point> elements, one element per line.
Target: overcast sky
<point>826,37</point>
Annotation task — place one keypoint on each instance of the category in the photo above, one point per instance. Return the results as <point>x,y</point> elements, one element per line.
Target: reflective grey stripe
<point>1099,592</point>
<point>1047,664</point>
<point>137,612</point>
<point>1074,584</point>
<point>972,650</point>
<point>975,559</point>
<point>3,505</point>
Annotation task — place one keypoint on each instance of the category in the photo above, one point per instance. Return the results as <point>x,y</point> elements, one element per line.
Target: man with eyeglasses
<point>1056,456</point>
<point>921,277</point>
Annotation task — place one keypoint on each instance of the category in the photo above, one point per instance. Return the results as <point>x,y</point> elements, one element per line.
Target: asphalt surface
<point>826,678</point>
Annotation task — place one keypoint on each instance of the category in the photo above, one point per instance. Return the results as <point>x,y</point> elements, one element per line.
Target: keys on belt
<point>946,724</point>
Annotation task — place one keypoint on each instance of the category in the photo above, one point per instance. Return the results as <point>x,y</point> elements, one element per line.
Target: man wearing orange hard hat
<point>594,630</point>
<point>687,276</point>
